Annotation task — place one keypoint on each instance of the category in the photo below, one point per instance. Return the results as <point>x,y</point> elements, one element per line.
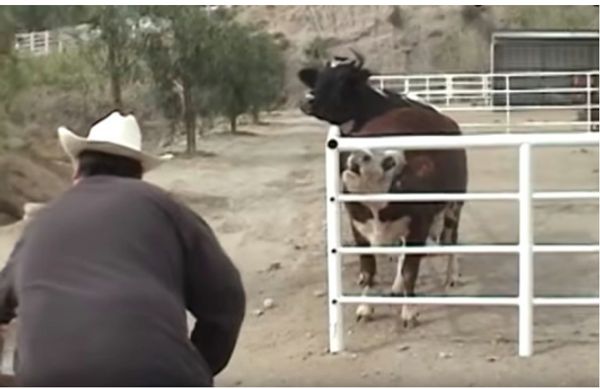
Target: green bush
<point>13,81</point>
<point>316,51</point>
<point>252,73</point>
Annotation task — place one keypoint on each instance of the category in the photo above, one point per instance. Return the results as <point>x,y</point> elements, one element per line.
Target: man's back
<point>103,280</point>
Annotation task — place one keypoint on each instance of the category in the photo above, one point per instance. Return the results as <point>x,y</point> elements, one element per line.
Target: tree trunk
<point>255,116</point>
<point>7,41</point>
<point>115,79</point>
<point>233,123</point>
<point>189,117</point>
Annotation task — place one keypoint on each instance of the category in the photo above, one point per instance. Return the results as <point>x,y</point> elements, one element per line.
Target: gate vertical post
<point>449,90</point>
<point>46,42</point>
<point>588,91</point>
<point>507,101</point>
<point>334,260</point>
<point>525,253</point>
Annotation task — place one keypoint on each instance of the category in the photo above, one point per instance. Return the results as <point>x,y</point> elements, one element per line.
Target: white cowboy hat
<point>116,134</point>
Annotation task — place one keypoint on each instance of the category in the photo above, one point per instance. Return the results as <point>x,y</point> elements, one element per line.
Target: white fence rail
<point>525,301</point>
<point>40,42</point>
<point>511,94</point>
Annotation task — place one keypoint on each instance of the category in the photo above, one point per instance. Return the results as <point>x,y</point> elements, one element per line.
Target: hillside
<point>409,39</point>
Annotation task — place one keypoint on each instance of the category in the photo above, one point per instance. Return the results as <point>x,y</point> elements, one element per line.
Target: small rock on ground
<point>403,347</point>
<point>268,303</point>
<point>274,266</point>
<point>319,293</point>
<point>444,355</point>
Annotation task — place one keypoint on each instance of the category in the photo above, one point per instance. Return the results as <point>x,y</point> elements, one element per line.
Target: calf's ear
<point>422,165</point>
<point>388,163</point>
<point>308,76</point>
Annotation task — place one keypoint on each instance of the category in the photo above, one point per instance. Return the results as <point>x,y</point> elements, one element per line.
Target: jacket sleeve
<point>8,299</point>
<point>214,293</point>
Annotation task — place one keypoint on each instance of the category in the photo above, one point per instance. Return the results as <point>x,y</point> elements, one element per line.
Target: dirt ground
<point>264,196</point>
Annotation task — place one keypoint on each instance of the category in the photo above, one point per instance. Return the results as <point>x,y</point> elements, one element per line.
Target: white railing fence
<point>440,89</point>
<point>511,94</point>
<point>525,301</point>
<point>40,42</point>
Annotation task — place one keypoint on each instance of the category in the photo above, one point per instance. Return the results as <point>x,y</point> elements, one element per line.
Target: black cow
<point>340,94</point>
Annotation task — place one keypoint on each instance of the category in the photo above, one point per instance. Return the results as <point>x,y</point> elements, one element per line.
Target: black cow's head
<point>335,89</point>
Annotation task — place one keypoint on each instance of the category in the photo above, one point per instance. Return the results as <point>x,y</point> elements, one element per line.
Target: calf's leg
<point>419,231</point>
<point>366,277</point>
<point>397,285</point>
<point>410,272</point>
<point>450,237</point>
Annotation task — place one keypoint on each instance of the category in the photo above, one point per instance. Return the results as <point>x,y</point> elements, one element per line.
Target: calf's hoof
<point>365,279</point>
<point>409,316</point>
<point>364,312</point>
<point>453,281</point>
<point>362,280</point>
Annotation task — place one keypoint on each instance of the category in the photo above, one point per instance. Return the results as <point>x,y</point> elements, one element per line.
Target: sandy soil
<point>263,195</point>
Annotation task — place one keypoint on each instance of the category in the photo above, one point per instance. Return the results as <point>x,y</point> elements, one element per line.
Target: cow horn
<point>337,60</point>
<point>359,58</point>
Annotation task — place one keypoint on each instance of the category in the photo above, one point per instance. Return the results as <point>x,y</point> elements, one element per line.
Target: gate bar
<point>495,196</point>
<point>525,253</point>
<point>334,260</point>
<point>468,249</point>
<point>430,142</point>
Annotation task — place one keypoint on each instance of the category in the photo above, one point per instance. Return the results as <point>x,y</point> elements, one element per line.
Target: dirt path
<point>264,197</point>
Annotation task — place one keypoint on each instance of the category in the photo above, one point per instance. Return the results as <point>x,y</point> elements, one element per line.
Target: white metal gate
<point>525,301</point>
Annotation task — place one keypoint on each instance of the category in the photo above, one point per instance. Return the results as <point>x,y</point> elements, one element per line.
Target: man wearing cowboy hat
<point>102,277</point>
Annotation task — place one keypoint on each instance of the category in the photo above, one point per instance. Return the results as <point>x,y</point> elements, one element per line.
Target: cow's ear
<point>422,165</point>
<point>308,76</point>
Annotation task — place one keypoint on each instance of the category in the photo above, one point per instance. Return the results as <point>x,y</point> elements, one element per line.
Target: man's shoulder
<point>121,185</point>
<point>128,190</point>
<point>155,192</point>
<point>143,186</point>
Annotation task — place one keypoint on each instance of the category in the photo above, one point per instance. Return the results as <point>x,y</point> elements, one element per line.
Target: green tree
<point>13,78</point>
<point>250,78</point>
<point>47,17</point>
<point>69,71</point>
<point>178,47</point>
<point>116,45</point>
<point>268,74</point>
<point>316,51</point>
<point>7,30</point>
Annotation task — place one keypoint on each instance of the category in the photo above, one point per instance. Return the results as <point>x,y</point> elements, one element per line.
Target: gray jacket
<point>101,280</point>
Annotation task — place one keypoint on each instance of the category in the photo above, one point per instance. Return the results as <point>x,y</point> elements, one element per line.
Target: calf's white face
<point>372,172</point>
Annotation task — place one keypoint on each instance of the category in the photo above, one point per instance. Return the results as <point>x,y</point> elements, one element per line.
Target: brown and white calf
<point>372,172</point>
